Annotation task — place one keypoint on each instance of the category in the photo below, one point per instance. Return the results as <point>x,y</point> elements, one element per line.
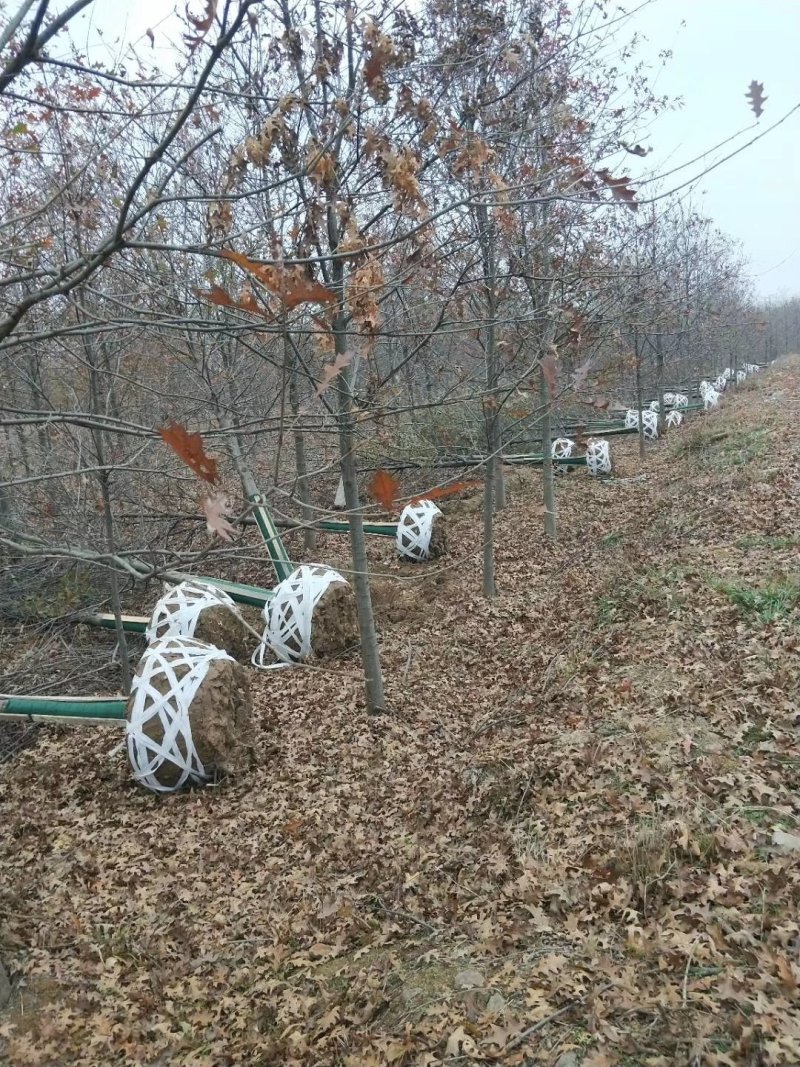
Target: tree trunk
<point>548,479</point>
<point>370,653</point>
<point>490,402</point>
<point>300,465</point>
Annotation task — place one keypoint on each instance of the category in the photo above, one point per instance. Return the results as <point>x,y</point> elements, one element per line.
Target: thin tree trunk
<point>300,465</point>
<point>490,403</point>
<point>639,401</point>
<point>370,653</point>
<point>662,415</point>
<point>548,479</point>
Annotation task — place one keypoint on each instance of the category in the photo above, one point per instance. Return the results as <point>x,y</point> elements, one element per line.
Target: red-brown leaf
<point>217,295</point>
<point>189,447</point>
<point>384,488</point>
<point>291,284</point>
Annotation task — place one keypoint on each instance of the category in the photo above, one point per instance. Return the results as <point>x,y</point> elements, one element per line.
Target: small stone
<point>469,979</point>
<point>567,1059</point>
<point>497,1004</point>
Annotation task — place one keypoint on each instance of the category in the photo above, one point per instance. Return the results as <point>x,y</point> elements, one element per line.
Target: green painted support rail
<point>382,529</point>
<point>251,595</point>
<point>72,709</point>
<point>131,624</point>
<point>272,538</point>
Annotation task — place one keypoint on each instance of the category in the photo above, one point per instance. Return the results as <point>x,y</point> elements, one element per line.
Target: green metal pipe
<point>272,538</point>
<point>74,709</point>
<point>382,529</point>
<point>239,593</point>
<point>131,624</point>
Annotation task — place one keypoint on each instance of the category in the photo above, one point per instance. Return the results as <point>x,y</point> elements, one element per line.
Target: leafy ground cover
<point>573,840</point>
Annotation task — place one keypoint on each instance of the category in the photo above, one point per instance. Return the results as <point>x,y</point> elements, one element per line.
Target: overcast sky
<point>719,47</point>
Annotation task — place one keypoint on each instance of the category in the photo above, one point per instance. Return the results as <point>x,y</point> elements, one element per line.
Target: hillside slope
<point>573,840</point>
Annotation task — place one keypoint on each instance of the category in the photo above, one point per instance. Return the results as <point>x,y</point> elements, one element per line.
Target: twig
<point>515,1042</point>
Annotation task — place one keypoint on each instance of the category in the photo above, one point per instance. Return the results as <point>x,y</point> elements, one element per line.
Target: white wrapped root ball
<point>631,419</point>
<point>752,368</point>
<point>562,448</point>
<point>649,422</point>
<point>720,384</point>
<point>674,418</point>
<point>421,532</point>
<point>188,715</point>
<point>741,376</point>
<point>199,609</point>
<point>598,457</point>
<point>312,595</point>
<point>709,395</point>
<point>654,405</point>
<point>681,400</point>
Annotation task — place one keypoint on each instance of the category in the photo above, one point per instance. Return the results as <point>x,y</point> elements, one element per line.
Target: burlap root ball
<point>219,715</point>
<point>222,627</point>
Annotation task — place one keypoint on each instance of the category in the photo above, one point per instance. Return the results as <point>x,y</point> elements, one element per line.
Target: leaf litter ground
<point>573,840</point>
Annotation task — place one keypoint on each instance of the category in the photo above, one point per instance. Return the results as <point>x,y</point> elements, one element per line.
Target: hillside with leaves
<point>574,838</point>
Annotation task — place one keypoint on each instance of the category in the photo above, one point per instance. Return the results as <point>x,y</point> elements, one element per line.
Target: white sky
<point>719,47</point>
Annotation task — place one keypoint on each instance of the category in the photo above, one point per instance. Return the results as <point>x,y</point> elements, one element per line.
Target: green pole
<point>73,709</point>
<point>272,538</point>
<point>382,529</point>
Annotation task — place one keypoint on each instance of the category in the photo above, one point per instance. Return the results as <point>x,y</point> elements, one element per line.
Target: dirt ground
<point>574,839</point>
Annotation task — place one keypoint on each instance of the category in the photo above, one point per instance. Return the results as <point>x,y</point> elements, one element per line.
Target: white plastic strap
<point>414,529</point>
<point>674,418</point>
<point>165,658</point>
<point>178,611</point>
<point>562,448</point>
<point>289,613</point>
<point>598,457</point>
<point>681,400</point>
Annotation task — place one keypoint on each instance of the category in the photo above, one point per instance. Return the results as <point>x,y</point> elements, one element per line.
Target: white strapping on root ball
<point>649,422</point>
<point>188,715</point>
<point>199,609</point>
<point>709,395</point>
<point>420,531</point>
<point>178,611</point>
<point>681,400</point>
<point>598,456</point>
<point>312,612</point>
<point>562,448</point>
<point>674,418</point>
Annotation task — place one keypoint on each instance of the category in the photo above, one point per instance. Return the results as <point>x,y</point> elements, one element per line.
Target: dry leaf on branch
<point>620,188</point>
<point>246,302</point>
<point>384,488</point>
<point>202,25</point>
<point>331,371</point>
<point>548,368</point>
<point>189,447</point>
<point>442,491</point>
<point>291,284</point>
<point>755,97</point>
<point>217,510</point>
